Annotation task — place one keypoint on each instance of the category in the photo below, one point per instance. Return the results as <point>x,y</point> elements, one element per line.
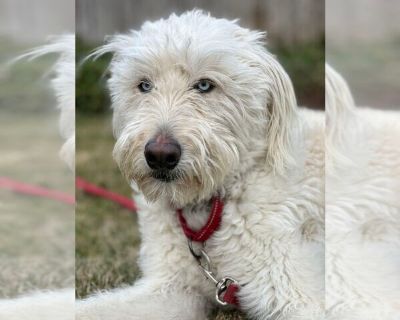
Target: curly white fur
<point>245,139</point>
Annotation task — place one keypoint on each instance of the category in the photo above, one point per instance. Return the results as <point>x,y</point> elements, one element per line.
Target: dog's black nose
<point>162,153</point>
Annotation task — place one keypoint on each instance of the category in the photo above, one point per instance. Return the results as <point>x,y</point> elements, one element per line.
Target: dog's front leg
<point>148,299</point>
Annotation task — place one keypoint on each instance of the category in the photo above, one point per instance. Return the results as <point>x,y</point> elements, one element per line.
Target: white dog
<point>202,109</point>
<point>362,208</point>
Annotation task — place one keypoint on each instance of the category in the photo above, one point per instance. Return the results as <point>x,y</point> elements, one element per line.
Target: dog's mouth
<point>164,175</point>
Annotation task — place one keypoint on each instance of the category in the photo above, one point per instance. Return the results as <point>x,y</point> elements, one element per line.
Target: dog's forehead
<point>194,34</point>
<point>194,42</point>
<point>190,43</point>
<point>191,27</point>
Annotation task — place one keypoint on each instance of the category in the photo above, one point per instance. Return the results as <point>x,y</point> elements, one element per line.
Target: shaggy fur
<point>41,305</point>
<point>248,141</point>
<point>362,208</point>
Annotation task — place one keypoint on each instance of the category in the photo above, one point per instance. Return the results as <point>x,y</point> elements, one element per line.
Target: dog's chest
<point>269,240</point>
<point>273,247</point>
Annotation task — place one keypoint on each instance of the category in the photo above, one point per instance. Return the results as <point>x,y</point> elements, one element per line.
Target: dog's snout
<point>162,153</point>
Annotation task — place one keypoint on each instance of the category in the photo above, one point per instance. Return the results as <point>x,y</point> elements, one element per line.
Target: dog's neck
<point>197,212</point>
<point>253,164</point>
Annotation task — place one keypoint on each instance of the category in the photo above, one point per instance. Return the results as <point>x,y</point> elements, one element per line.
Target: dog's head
<point>194,99</point>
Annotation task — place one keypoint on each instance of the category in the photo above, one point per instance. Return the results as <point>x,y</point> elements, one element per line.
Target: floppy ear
<point>281,110</point>
<point>282,116</point>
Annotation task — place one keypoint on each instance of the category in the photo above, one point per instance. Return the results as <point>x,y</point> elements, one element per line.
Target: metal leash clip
<point>205,266</point>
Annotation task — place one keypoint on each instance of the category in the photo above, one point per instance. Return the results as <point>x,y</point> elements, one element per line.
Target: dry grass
<point>36,234</point>
<point>106,235</point>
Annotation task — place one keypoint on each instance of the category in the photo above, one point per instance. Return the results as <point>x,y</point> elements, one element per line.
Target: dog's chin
<point>176,190</point>
<point>164,176</point>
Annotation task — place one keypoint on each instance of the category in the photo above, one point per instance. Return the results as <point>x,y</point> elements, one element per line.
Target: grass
<point>36,234</point>
<point>305,65</point>
<point>106,235</point>
<point>371,70</point>
<point>107,239</point>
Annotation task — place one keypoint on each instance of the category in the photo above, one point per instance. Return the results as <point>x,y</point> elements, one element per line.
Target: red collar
<point>212,224</point>
<point>227,288</point>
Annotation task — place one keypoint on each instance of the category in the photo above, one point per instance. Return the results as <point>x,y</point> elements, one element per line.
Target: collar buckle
<point>226,288</point>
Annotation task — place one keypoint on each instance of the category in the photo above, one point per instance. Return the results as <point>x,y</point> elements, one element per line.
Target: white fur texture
<point>43,305</point>
<point>245,139</point>
<point>362,208</point>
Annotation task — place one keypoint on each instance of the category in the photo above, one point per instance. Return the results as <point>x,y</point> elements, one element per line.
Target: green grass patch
<point>107,238</point>
<point>305,65</point>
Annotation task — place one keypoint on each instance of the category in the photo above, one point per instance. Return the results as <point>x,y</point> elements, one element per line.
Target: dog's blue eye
<point>204,85</point>
<point>145,86</point>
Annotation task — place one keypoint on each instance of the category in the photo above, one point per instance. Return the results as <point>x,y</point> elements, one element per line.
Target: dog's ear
<point>282,116</point>
<point>281,110</point>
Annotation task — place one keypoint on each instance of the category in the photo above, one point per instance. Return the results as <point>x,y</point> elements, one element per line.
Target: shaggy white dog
<point>201,108</point>
<point>362,208</point>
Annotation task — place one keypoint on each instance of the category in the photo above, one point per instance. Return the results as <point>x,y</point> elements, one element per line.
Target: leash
<point>227,287</point>
<point>97,191</point>
<point>37,191</point>
<point>81,184</point>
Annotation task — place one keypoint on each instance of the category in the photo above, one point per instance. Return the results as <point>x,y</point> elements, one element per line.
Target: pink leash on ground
<point>227,288</point>
<point>32,190</point>
<point>81,184</point>
<point>92,189</point>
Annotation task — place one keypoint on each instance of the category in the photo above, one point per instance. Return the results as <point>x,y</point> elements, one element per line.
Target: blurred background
<point>363,44</point>
<point>36,234</point>
<point>106,235</point>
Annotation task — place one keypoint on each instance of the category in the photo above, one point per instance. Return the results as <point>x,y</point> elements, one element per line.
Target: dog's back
<point>362,208</point>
